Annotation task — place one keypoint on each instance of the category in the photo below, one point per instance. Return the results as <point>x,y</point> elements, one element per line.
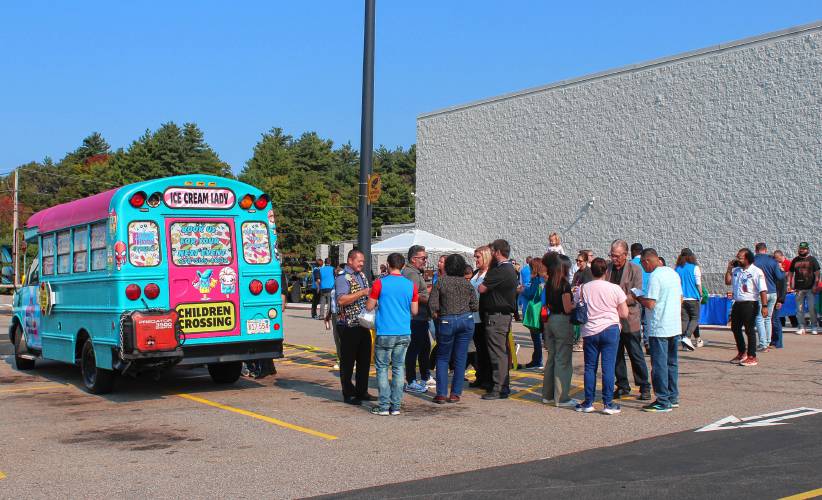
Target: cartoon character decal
<point>119,254</point>
<point>31,318</point>
<point>228,281</point>
<point>204,283</point>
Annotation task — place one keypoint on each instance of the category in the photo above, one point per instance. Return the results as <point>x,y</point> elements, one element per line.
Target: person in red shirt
<point>784,262</point>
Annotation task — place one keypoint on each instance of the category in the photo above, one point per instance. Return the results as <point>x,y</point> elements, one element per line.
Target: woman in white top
<point>600,335</point>
<point>482,261</point>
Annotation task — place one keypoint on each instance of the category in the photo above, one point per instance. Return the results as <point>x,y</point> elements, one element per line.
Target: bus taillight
<point>255,287</point>
<point>152,291</point>
<point>133,292</point>
<point>261,202</point>
<point>271,286</point>
<point>246,202</point>
<point>137,199</point>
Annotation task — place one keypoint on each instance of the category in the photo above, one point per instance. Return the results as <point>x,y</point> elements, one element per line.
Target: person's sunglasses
<point>580,261</point>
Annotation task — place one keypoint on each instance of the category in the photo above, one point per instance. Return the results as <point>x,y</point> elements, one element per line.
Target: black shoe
<point>368,397</point>
<point>493,395</point>
<point>352,400</point>
<point>645,396</point>
<point>619,392</point>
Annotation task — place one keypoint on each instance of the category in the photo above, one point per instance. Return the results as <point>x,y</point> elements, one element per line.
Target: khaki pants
<point>559,343</point>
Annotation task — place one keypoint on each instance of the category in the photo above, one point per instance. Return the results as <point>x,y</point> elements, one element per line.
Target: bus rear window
<point>143,244</point>
<point>199,243</point>
<point>256,248</point>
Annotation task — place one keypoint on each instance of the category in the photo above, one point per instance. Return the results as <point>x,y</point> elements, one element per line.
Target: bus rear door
<point>202,268</point>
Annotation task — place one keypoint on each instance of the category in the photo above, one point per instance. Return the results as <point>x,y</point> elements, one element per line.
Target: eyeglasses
<point>420,257</point>
<point>580,261</point>
<point>615,255</point>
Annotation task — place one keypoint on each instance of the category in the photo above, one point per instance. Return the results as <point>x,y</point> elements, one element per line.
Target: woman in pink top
<point>600,335</point>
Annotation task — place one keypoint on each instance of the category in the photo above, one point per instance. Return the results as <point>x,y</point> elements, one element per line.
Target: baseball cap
<point>804,245</point>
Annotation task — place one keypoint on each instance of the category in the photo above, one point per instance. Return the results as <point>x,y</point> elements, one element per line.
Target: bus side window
<point>81,250</point>
<point>34,273</point>
<point>47,250</point>
<point>98,246</point>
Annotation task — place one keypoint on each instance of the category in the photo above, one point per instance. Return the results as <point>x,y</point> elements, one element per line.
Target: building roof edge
<point>722,47</point>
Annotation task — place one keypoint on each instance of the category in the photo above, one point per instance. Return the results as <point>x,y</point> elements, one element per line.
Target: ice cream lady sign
<point>179,197</point>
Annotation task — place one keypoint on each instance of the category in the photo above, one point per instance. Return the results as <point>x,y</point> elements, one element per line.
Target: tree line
<point>313,184</point>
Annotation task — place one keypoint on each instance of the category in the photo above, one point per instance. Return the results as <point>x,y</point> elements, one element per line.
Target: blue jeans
<point>602,344</point>
<point>390,349</point>
<point>764,326</point>
<point>455,332</point>
<point>776,330</point>
<point>665,369</point>
<point>536,357</point>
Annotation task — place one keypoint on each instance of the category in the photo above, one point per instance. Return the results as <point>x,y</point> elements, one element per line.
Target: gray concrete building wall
<point>714,150</point>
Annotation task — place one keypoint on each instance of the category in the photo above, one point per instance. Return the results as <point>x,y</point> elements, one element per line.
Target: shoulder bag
<point>579,316</point>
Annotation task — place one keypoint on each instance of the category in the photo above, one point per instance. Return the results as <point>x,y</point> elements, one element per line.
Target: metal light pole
<point>366,137</point>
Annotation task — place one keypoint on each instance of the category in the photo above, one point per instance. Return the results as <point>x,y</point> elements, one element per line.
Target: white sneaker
<point>801,331</point>
<point>336,366</point>
<point>814,332</point>
<point>700,342</point>
<point>431,383</point>
<point>686,342</point>
<point>547,401</point>
<point>571,403</point>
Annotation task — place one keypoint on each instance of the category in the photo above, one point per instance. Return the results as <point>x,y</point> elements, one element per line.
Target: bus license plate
<point>253,326</point>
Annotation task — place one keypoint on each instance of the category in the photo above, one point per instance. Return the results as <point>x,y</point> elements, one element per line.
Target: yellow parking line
<point>2,476</point>
<point>264,418</point>
<point>803,496</point>
<point>39,388</point>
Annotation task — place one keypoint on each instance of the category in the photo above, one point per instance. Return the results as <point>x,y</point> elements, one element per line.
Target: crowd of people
<point>606,308</point>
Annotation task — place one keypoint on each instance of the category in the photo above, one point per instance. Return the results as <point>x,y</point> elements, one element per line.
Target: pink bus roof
<point>75,212</point>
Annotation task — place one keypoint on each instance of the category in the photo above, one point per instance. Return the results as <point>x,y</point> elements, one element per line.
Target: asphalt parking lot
<point>290,436</point>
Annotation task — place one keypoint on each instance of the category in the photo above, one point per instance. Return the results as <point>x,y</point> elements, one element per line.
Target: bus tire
<point>225,373</point>
<point>96,380</point>
<point>20,362</point>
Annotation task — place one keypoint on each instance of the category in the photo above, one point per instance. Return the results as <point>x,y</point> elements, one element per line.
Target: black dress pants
<point>631,342</point>
<point>483,359</point>
<point>743,314</point>
<point>355,348</point>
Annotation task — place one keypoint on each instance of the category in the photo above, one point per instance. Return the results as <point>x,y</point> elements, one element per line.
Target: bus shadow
<point>128,389</point>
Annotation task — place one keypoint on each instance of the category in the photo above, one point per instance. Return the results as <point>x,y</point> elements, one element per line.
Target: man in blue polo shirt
<point>773,274</point>
<point>398,301</point>
<point>326,284</point>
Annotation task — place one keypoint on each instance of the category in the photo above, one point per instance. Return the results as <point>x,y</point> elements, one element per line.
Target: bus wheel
<point>96,380</point>
<point>19,348</point>
<point>225,373</point>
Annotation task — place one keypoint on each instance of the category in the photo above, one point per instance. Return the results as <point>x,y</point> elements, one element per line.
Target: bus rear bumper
<point>237,351</point>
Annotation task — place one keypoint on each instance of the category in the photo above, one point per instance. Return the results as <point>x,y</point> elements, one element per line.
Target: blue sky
<point>239,68</point>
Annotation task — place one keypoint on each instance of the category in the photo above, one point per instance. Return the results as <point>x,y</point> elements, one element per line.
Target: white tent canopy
<point>434,245</point>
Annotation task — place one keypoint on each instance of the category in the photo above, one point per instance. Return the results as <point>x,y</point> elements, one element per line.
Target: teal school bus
<point>168,272</point>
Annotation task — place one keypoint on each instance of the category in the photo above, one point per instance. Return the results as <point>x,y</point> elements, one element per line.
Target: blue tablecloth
<point>718,310</point>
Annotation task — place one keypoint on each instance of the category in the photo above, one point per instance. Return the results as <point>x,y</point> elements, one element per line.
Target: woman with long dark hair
<point>559,335</point>
<point>690,276</point>
<point>453,300</point>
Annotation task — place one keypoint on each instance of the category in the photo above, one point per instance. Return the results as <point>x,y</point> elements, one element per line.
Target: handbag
<point>579,316</point>
<point>531,317</point>
<point>367,319</point>
<point>705,296</point>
